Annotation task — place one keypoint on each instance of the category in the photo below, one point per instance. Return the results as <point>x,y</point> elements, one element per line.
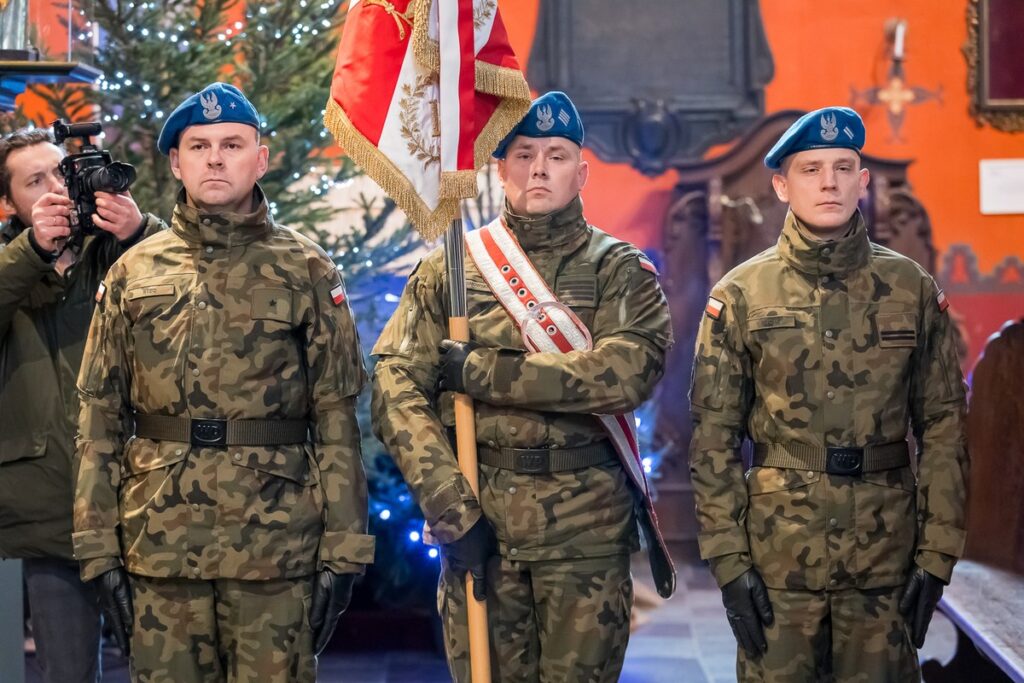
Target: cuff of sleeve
<point>725,541</point>
<point>938,565</point>
<point>727,568</point>
<point>137,235</point>
<point>98,551</point>
<point>488,374</point>
<point>944,539</point>
<point>727,551</point>
<point>46,256</point>
<point>451,510</point>
<point>95,543</point>
<point>340,548</point>
<point>90,569</point>
<point>475,372</point>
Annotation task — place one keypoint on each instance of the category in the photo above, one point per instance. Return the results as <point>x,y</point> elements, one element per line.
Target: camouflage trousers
<point>187,631</point>
<point>847,636</point>
<point>550,622</point>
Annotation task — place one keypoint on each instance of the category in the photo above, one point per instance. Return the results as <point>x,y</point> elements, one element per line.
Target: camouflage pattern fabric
<point>838,343</point>
<point>847,636</point>
<point>235,317</point>
<point>553,621</point>
<point>189,631</point>
<point>526,400</point>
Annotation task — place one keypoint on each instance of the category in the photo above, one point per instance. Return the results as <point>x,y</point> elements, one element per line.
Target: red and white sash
<point>548,325</point>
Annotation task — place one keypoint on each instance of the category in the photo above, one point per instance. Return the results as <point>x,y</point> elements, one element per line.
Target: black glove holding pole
<point>471,553</point>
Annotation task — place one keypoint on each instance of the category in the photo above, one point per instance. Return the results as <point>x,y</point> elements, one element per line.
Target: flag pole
<point>465,440</point>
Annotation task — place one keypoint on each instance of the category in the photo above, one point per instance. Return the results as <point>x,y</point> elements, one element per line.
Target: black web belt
<point>841,460</point>
<point>546,460</point>
<point>221,432</point>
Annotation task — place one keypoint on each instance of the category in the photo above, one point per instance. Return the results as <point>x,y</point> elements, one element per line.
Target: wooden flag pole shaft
<point>465,441</point>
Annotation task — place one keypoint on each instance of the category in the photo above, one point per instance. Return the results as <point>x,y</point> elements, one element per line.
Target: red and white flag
<point>423,92</point>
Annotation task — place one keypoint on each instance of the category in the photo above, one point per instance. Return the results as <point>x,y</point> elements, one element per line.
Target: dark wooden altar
<point>725,213</point>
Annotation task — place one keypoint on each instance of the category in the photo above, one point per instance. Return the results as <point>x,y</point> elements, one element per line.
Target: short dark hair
<point>19,139</point>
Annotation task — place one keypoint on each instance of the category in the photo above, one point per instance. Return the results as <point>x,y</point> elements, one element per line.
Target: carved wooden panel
<point>702,84</point>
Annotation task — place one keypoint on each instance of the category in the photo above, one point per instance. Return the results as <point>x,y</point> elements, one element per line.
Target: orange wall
<point>821,51</point>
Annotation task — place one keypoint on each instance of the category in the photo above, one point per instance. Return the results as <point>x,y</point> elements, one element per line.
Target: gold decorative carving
<point>1002,117</point>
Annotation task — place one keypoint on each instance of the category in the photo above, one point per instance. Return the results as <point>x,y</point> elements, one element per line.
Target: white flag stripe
<point>451,64</point>
<point>395,147</point>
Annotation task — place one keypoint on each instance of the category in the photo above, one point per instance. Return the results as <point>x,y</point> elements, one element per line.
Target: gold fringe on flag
<point>505,83</point>
<point>508,114</point>
<point>458,184</point>
<point>426,51</point>
<point>430,224</point>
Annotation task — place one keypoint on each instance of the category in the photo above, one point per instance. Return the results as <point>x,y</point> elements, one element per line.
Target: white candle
<point>897,50</point>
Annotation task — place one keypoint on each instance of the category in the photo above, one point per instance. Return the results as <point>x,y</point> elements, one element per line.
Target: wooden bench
<point>985,599</point>
<point>987,606</point>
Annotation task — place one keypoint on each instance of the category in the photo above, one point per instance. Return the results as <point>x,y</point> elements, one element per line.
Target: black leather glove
<point>748,610</point>
<point>470,554</point>
<point>331,595</point>
<point>920,597</point>
<point>116,602</point>
<point>453,361</point>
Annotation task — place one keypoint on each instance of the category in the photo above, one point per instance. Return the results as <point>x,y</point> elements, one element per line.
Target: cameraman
<point>47,293</point>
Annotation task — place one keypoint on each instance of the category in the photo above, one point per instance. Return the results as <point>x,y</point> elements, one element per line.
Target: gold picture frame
<point>1005,110</point>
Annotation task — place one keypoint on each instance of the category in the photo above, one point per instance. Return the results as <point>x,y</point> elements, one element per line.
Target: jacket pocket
<point>885,509</point>
<point>149,489</point>
<point>785,343</point>
<point>896,330</point>
<point>272,303</point>
<point>785,527</point>
<point>23,447</point>
<point>149,301</point>
<point>145,455</point>
<point>771,322</point>
<point>286,462</point>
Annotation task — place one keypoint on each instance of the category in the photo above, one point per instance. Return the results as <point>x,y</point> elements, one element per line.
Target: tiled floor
<point>685,639</point>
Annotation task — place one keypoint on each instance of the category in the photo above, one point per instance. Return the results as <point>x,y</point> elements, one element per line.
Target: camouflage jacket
<point>828,343</point>
<point>526,400</point>
<point>223,316</point>
<point>44,319</point>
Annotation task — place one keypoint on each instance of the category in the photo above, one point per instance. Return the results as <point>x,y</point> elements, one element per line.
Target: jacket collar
<point>819,257</point>
<point>11,229</point>
<point>563,229</point>
<point>222,229</point>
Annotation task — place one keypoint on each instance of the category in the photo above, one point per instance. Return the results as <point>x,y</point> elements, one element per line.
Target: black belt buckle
<point>209,432</point>
<point>533,462</point>
<point>846,462</point>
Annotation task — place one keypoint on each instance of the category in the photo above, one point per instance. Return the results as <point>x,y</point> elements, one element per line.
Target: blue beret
<point>828,127</point>
<point>216,103</point>
<point>552,115</point>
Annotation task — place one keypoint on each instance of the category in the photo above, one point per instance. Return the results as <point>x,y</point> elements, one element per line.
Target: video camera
<point>89,171</point>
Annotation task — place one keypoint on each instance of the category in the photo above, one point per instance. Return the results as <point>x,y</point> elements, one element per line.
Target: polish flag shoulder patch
<point>338,294</point>
<point>648,265</point>
<point>714,308</point>
<point>100,291</point>
<point>942,301</point>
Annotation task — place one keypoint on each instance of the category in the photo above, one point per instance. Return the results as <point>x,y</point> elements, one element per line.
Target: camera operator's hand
<point>51,220</point>
<point>118,214</point>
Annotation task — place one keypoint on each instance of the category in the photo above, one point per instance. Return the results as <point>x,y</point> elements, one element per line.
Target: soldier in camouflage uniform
<point>558,587</point>
<point>832,549</point>
<point>236,512</point>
